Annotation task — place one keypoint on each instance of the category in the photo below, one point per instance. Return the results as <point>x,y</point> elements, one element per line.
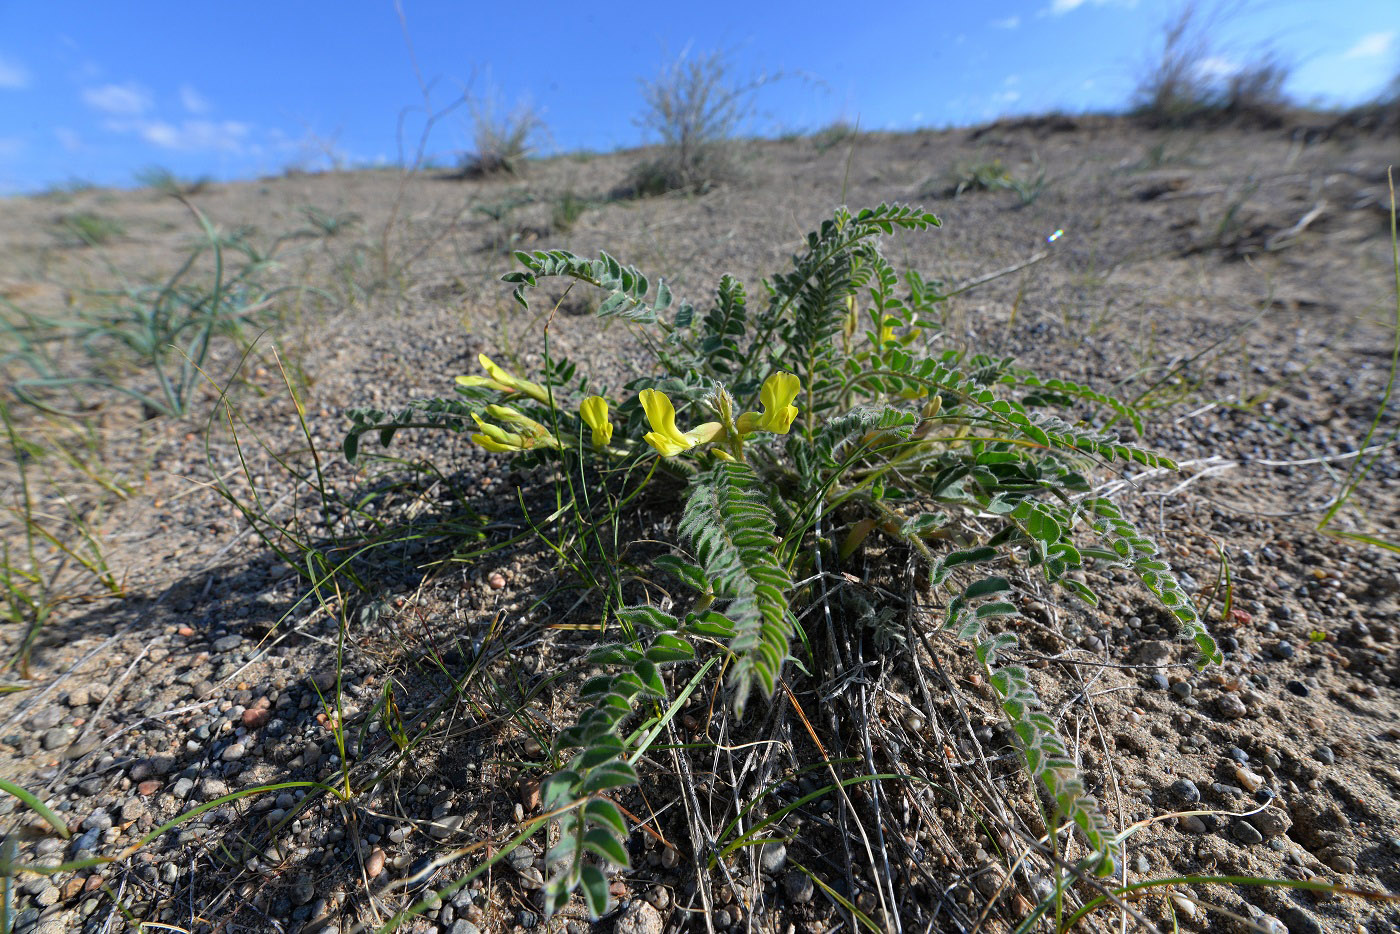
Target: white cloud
<point>1371,45</point>
<point>1006,97</point>
<point>68,138</point>
<point>191,135</point>
<point>1216,67</point>
<point>1011,22</point>
<point>10,145</point>
<point>194,102</point>
<point>118,100</point>
<point>1061,7</point>
<point>13,75</point>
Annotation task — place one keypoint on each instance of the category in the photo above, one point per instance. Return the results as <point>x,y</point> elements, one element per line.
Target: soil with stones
<point>1236,284</point>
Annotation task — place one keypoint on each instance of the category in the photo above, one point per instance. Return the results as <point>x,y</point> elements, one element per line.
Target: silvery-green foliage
<point>897,436</point>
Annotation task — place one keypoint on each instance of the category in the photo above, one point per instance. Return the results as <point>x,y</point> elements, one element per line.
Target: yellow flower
<point>664,435</point>
<point>503,380</point>
<point>594,411</point>
<point>528,434</point>
<point>776,396</point>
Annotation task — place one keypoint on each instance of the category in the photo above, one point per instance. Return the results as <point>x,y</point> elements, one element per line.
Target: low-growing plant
<point>566,211</point>
<point>88,229</point>
<point>794,432</point>
<point>834,134</point>
<point>163,181</point>
<point>993,176</point>
<point>163,332</point>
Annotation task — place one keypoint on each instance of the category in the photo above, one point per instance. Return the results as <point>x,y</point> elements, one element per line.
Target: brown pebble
<point>530,794</point>
<point>148,787</point>
<point>256,717</point>
<point>185,631</point>
<point>497,580</point>
<point>374,864</point>
<point>93,883</point>
<point>72,887</point>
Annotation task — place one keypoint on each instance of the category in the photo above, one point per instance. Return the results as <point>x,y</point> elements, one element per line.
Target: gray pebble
<point>234,752</point>
<point>772,857</point>
<point>798,887</point>
<point>1324,755</point>
<point>1271,822</point>
<point>463,926</point>
<point>182,788</point>
<point>227,643</point>
<point>1185,790</point>
<point>303,890</point>
<point>1244,832</point>
<point>211,788</point>
<point>1182,689</point>
<point>46,719</point>
<point>444,827</point>
<point>639,917</point>
<point>58,738</point>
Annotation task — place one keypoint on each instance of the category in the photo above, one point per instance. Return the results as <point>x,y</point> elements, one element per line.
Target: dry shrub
<point>695,106</point>
<point>1183,84</point>
<point>502,140</point>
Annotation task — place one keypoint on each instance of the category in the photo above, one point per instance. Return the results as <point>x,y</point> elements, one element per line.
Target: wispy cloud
<point>1215,66</point>
<point>10,145</point>
<point>1371,45</point>
<point>118,100</point>
<point>68,138</point>
<point>1011,22</point>
<point>13,75</point>
<point>195,135</point>
<point>193,101</point>
<point>1061,7</point>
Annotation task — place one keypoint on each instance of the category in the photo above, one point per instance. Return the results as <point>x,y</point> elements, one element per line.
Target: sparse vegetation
<point>695,107</point>
<point>991,176</point>
<point>1190,80</point>
<point>88,229</point>
<point>162,180</point>
<point>785,600</point>
<point>502,139</point>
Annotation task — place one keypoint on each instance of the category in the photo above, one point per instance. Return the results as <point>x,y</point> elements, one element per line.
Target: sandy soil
<point>1237,283</point>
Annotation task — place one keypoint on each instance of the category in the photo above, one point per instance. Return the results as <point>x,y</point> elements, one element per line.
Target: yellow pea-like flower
<point>594,411</point>
<point>528,433</point>
<point>776,396</point>
<point>664,435</point>
<point>503,380</point>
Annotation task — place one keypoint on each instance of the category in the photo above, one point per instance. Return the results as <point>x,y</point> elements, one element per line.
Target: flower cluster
<point>512,430</point>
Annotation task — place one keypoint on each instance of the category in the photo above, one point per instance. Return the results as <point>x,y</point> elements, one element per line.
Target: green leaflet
<point>730,528</point>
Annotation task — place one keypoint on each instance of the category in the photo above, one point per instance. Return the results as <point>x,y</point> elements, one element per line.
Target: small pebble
<point>1230,707</point>
<point>798,887</point>
<point>772,857</point>
<point>1185,790</point>
<point>1245,833</point>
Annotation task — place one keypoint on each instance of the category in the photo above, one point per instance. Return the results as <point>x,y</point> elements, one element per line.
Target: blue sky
<point>98,91</point>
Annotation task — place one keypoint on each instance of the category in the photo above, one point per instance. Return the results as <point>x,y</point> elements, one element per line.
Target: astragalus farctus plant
<point>818,421</point>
